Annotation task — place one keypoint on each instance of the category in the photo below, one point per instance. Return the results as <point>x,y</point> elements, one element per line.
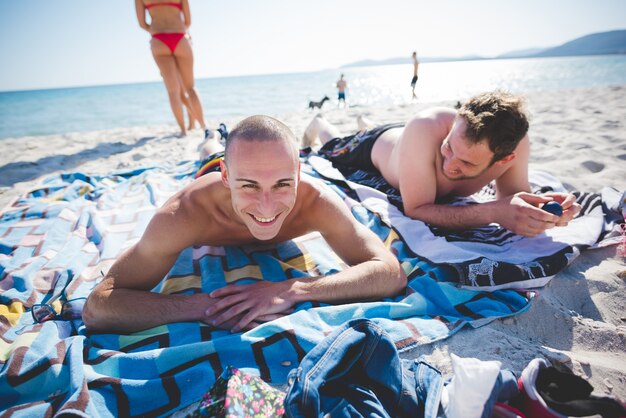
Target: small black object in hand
<point>554,208</point>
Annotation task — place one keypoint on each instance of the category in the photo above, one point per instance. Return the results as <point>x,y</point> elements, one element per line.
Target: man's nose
<point>452,164</point>
<point>267,203</point>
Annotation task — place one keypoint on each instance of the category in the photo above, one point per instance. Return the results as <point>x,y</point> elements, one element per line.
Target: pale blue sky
<point>61,43</point>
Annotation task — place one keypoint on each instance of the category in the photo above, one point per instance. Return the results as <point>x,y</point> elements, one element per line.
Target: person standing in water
<point>416,64</point>
<point>341,91</point>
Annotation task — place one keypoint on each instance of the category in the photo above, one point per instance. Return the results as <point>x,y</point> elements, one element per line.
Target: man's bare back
<point>423,137</point>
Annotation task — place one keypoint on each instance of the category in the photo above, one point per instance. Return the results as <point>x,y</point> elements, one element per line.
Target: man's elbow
<point>397,278</point>
<point>416,212</point>
<point>401,281</point>
<point>92,317</point>
<point>412,213</point>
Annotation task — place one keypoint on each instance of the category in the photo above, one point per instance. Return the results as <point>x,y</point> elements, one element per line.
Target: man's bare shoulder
<point>197,198</point>
<point>316,198</point>
<point>434,115</point>
<point>310,189</point>
<point>430,126</point>
<point>193,212</point>
<point>320,208</point>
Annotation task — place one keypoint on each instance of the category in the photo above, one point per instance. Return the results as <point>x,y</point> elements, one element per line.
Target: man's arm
<point>518,213</point>
<point>123,301</point>
<point>374,272</point>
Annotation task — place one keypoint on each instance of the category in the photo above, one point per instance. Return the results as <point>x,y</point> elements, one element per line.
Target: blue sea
<point>55,111</point>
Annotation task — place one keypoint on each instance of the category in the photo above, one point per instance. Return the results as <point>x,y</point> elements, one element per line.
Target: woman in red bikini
<point>171,49</point>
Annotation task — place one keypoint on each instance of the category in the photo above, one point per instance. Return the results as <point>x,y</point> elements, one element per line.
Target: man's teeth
<point>264,220</point>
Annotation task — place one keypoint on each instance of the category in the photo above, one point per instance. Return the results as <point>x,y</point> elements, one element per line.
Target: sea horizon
<point>58,110</point>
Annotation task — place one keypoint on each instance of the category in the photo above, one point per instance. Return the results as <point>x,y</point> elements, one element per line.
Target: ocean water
<point>55,111</point>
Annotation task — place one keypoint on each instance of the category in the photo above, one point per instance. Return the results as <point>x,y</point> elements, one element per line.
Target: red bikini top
<point>165,3</point>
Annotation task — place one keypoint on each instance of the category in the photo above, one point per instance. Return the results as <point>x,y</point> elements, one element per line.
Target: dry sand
<point>578,135</point>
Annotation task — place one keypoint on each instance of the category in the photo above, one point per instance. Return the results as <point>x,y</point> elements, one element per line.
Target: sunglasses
<point>70,309</point>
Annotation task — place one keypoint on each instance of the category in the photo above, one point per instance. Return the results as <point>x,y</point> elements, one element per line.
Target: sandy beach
<point>579,136</point>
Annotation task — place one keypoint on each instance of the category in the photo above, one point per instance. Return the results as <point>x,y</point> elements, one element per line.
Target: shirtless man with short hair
<point>416,64</point>
<point>442,153</point>
<point>341,91</point>
<point>259,197</point>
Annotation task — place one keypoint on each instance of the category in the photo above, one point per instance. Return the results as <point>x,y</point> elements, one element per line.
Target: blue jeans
<point>356,372</point>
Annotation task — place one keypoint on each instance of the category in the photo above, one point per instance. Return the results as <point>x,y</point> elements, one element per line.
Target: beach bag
<point>237,394</point>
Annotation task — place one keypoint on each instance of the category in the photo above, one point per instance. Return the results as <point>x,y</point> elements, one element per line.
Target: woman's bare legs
<point>321,129</point>
<point>184,60</point>
<point>185,99</point>
<point>169,71</point>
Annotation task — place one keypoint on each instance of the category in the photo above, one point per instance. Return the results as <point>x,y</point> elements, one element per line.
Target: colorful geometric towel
<point>73,228</point>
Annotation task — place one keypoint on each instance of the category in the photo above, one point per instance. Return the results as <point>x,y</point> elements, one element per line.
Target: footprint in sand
<point>610,124</point>
<point>593,166</point>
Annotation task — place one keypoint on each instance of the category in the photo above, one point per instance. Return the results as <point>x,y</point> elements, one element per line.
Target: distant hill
<point>612,42</point>
<point>522,53</point>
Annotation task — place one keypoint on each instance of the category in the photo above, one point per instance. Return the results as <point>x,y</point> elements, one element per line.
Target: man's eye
<point>283,185</point>
<point>249,186</point>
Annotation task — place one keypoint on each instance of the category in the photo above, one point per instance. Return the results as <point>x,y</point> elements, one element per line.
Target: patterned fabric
<point>490,257</point>
<point>76,225</point>
<point>240,395</point>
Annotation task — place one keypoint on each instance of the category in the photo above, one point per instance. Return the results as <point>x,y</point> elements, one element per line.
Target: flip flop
<point>223,132</point>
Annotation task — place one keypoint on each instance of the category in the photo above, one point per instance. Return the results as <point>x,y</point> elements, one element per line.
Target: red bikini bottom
<point>170,39</point>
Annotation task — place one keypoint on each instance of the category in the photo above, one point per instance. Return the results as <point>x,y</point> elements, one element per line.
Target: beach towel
<point>57,242</point>
<point>489,257</point>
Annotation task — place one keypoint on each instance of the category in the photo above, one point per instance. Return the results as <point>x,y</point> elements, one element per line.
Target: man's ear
<point>299,166</point>
<point>507,159</point>
<point>224,173</point>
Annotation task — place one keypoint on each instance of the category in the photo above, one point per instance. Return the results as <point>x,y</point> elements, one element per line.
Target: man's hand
<point>569,205</point>
<point>250,304</point>
<point>521,213</point>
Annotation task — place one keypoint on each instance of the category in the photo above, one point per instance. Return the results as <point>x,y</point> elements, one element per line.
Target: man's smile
<point>264,220</point>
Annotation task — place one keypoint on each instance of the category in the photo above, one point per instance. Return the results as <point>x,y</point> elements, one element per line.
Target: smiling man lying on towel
<point>259,196</point>
<point>442,154</point>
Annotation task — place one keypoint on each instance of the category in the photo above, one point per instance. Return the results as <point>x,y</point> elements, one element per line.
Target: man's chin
<point>455,177</point>
<point>264,233</point>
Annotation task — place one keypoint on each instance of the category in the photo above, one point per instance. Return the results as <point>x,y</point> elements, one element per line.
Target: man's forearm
<point>128,310</point>
<point>455,217</point>
<point>370,280</point>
